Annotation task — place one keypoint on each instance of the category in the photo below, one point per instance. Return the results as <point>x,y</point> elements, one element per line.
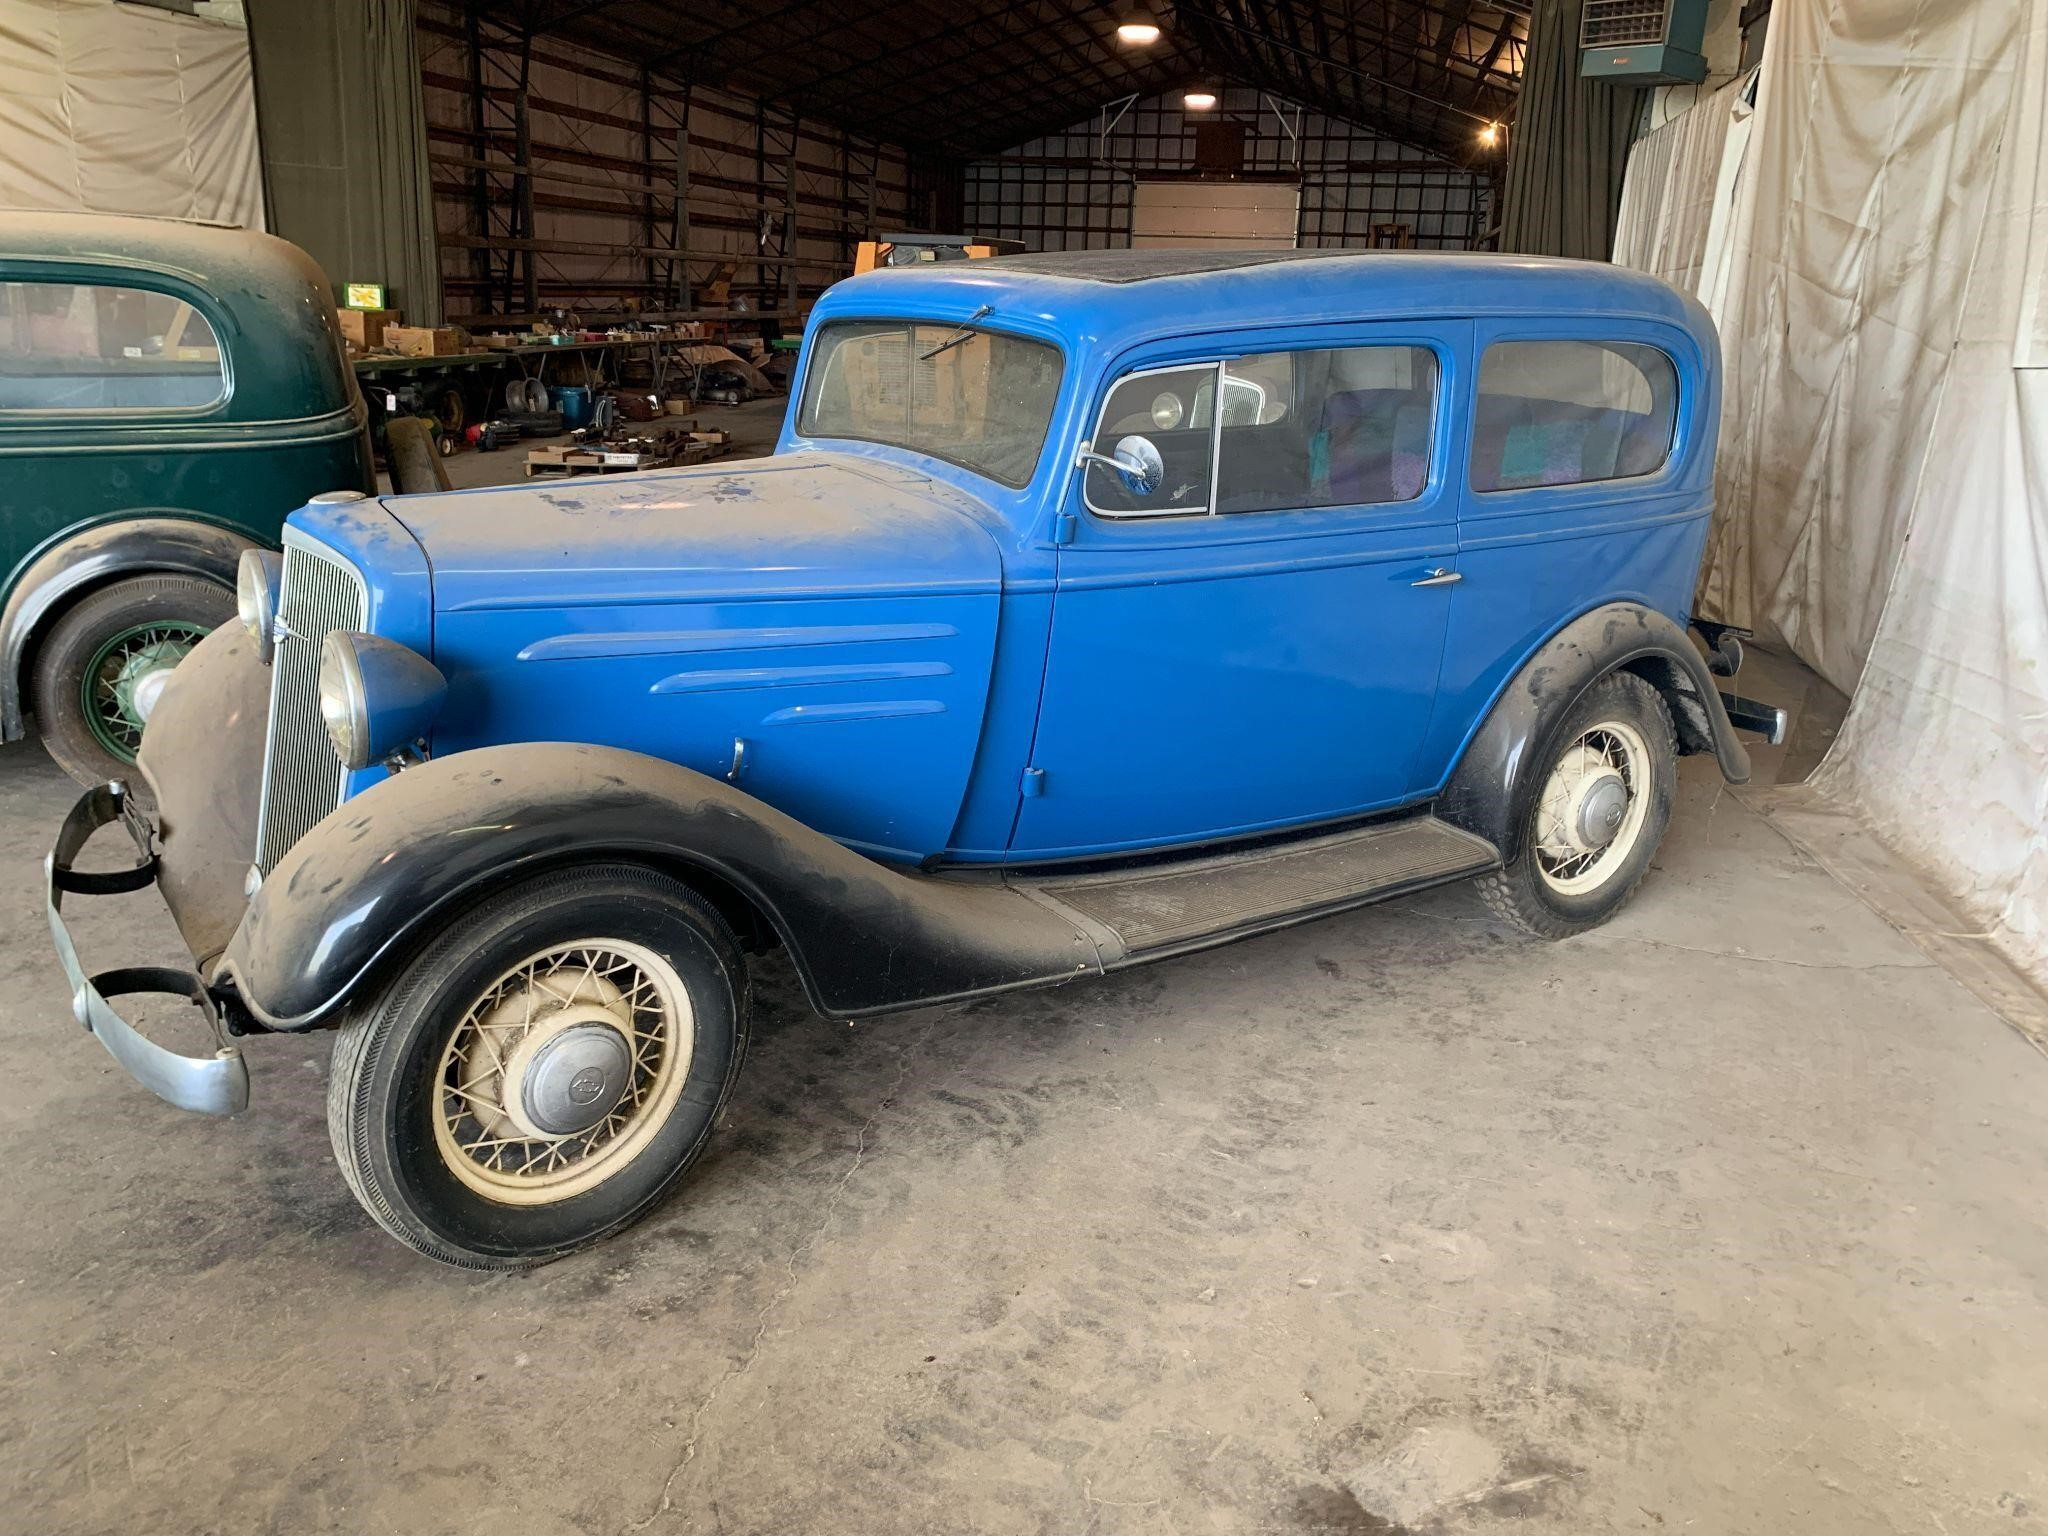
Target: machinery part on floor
<point>525,397</point>
<point>532,423</point>
<point>414,458</point>
<point>445,405</point>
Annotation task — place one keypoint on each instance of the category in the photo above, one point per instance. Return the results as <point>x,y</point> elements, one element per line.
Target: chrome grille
<point>302,778</point>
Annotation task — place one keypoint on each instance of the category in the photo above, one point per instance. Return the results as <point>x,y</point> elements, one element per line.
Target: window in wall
<point>97,347</point>
<point>1571,413</point>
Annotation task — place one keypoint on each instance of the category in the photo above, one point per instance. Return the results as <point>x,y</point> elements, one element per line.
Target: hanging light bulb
<point>1137,29</point>
<point>1490,135</point>
<point>1199,99</point>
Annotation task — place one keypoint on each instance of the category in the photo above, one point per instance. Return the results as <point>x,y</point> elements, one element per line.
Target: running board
<point>1191,905</point>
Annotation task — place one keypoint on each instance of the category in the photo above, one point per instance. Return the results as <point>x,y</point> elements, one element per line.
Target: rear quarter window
<point>1571,413</point>
<point>102,347</point>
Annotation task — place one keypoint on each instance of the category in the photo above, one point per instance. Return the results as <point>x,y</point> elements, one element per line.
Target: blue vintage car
<point>1094,608</point>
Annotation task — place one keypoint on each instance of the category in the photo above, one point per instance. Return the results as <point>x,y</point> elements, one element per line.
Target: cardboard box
<point>365,328</point>
<point>423,341</point>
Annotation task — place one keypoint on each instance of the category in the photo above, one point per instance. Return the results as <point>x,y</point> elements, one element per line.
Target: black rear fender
<point>388,870</point>
<point>89,559</point>
<point>1507,759</point>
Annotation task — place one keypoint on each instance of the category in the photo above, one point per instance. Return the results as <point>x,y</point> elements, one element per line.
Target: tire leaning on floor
<point>99,667</point>
<point>461,1098</point>
<point>1565,881</point>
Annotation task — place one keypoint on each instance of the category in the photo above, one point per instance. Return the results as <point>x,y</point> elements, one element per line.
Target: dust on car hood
<point>794,524</point>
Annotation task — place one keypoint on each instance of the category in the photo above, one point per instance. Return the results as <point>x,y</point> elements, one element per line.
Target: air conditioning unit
<point>1644,42</point>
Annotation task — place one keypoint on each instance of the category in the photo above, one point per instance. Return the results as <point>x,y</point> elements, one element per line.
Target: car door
<point>1589,481</point>
<point>1254,641</point>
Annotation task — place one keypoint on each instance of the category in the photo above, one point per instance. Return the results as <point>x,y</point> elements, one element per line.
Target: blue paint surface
<point>997,673</point>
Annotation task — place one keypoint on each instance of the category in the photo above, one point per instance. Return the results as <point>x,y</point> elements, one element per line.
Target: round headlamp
<point>377,697</point>
<point>344,706</point>
<point>257,579</point>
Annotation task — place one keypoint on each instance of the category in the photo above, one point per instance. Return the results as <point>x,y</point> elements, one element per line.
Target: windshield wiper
<point>958,336</point>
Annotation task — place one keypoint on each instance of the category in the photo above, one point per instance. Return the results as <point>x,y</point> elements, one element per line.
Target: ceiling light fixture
<point>1490,135</point>
<point>1138,30</point>
<point>1200,99</point>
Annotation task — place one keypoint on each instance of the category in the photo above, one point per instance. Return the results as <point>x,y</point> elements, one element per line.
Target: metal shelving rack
<point>712,180</point>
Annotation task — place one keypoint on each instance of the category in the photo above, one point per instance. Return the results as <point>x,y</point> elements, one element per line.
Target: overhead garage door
<point>1260,214</point>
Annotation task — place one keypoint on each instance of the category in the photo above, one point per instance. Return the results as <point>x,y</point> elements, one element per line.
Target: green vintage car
<point>168,392</point>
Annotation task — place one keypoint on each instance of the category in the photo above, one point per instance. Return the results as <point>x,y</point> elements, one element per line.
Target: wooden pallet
<point>560,462</point>
<point>663,451</point>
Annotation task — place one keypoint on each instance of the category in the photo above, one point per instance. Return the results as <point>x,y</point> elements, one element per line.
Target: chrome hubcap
<point>568,1074</point>
<point>146,690</point>
<point>1603,801</point>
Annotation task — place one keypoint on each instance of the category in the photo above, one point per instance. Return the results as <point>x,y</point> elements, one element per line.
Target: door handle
<point>1439,577</point>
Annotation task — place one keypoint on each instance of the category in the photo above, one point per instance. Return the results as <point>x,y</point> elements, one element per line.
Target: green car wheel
<point>103,665</point>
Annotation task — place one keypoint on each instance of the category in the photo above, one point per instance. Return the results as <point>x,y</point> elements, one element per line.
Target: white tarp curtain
<point>1946,744</point>
<point>125,109</point>
<point>1679,188</point>
<point>1858,213</point>
<point>1874,256</point>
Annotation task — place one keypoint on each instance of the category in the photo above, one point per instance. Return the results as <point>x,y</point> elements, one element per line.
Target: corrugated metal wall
<point>602,138</point>
<point>1073,190</point>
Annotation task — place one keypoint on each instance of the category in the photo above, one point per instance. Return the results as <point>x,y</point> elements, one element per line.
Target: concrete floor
<point>1729,1217</point>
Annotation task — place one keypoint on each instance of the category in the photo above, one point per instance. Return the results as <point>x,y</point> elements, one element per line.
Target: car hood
<point>794,525</point>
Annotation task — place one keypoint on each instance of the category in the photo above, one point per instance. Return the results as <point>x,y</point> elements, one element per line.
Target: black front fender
<point>389,868</point>
<point>1502,765</point>
<point>91,558</point>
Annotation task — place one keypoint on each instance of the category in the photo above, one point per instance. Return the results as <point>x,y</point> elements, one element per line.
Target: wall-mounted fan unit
<point>1644,42</point>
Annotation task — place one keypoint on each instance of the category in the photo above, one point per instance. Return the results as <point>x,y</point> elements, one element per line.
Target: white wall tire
<point>456,1100</point>
<point>1596,815</point>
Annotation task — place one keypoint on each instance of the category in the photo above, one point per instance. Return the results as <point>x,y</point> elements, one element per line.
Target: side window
<point>1334,427</point>
<point>97,347</point>
<point>1170,408</point>
<point>1571,413</point>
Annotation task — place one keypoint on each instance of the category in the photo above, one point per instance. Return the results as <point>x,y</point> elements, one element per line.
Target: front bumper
<point>211,1085</point>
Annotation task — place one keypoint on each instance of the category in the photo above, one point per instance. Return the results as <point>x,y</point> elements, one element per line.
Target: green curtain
<point>1567,147</point>
<point>343,123</point>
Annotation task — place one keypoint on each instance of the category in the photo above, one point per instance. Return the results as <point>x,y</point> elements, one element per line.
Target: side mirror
<point>1136,464</point>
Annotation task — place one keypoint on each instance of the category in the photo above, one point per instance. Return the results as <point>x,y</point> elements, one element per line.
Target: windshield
<point>979,399</point>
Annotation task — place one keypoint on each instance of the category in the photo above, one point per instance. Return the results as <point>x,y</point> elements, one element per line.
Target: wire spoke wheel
<point>544,1071</point>
<point>1592,812</point>
<point>562,1070</point>
<point>124,677</point>
<point>1592,808</point>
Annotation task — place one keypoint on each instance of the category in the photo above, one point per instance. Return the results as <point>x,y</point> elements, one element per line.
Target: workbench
<point>601,361</point>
